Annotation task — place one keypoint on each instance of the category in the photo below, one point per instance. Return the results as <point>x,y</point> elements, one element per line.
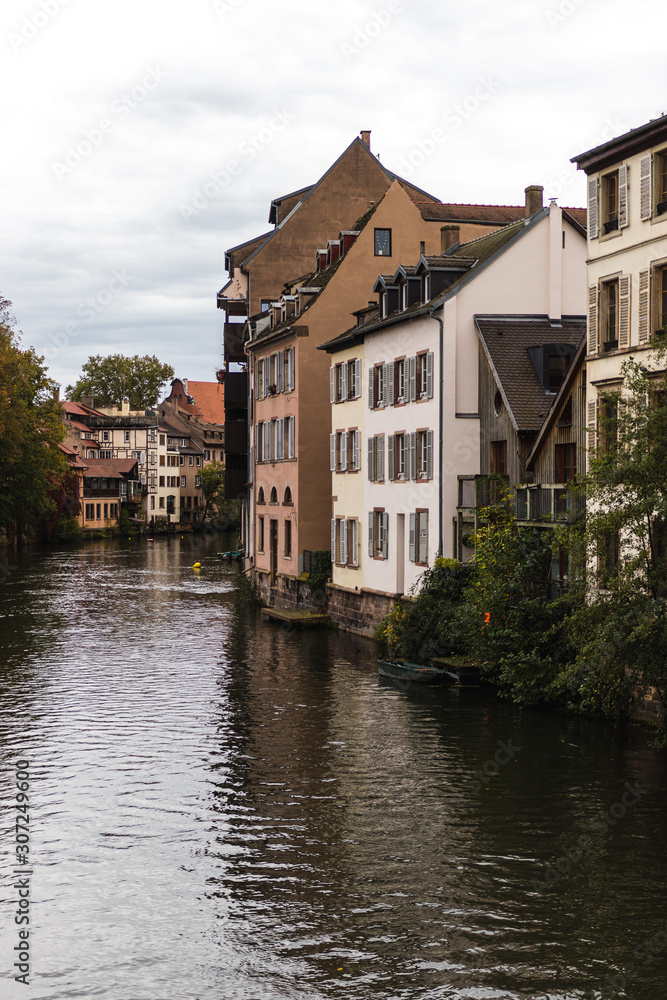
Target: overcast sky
<point>120,120</point>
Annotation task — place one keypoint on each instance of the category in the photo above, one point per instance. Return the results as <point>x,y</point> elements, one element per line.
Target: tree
<point>32,467</point>
<point>112,378</point>
<point>213,488</point>
<point>619,624</point>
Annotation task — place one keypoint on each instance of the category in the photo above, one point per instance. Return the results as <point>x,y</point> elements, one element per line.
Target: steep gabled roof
<point>110,468</point>
<point>505,341</point>
<point>490,215</point>
<point>209,400</point>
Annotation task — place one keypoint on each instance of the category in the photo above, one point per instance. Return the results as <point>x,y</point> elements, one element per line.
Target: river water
<point>224,810</point>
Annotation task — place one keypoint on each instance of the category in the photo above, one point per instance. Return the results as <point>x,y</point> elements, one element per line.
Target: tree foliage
<point>33,470</point>
<point>112,378</point>
<point>213,489</point>
<point>619,623</point>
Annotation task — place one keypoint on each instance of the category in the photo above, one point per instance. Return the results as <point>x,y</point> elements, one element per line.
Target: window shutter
<point>390,457</point>
<point>258,457</point>
<point>643,305</point>
<point>371,459</point>
<point>645,186</point>
<point>370,535</point>
<point>267,374</point>
<point>333,539</point>
<point>266,440</point>
<point>429,375</point>
<point>343,451</point>
<point>423,538</point>
<point>343,387</point>
<point>385,384</point>
<point>411,545</point>
<point>429,454</point>
<point>593,224</point>
<point>592,319</point>
<point>332,385</point>
<point>332,452</point>
<point>412,380</point>
<point>623,213</point>
<point>357,378</point>
<point>291,367</point>
<point>290,424</point>
<point>413,455</point>
<point>256,380</point>
<point>281,371</point>
<point>390,384</point>
<point>355,450</point>
<point>379,458</point>
<point>592,426</point>
<point>385,535</point>
<point>343,541</point>
<point>371,399</point>
<point>355,543</point>
<point>624,311</point>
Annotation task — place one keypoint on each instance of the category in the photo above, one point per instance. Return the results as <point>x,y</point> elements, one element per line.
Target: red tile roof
<point>110,468</point>
<point>209,400</point>
<point>79,409</point>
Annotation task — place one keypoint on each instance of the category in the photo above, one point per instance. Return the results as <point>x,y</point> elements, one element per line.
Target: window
<point>399,457</point>
<point>499,458</point>
<point>353,451</point>
<point>287,497</point>
<point>198,482</point>
<point>424,457</point>
<point>418,540</point>
<point>161,502</point>
<point>383,242</point>
<point>260,495</point>
<point>260,534</point>
<point>379,389</point>
<point>378,534</point>
<point>288,538</point>
<point>425,376</point>
<point>290,438</point>
<point>661,184</point>
<point>162,439</point>
<point>113,508</point>
<point>565,419</point>
<point>181,460</point>
<point>90,512</point>
<point>609,424</point>
<point>400,381</point>
<point>609,315</point>
<point>183,482</point>
<point>191,460</point>
<point>273,498</point>
<point>106,454</point>
<point>608,551</point>
<point>566,462</point>
<point>376,459</point>
<point>610,202</point>
<point>289,369</point>
<point>98,512</point>
<point>557,366</point>
<point>207,455</point>
<point>127,437</point>
<point>660,299</point>
<point>184,442</point>
<point>161,462</point>
<point>345,541</point>
<point>105,436</point>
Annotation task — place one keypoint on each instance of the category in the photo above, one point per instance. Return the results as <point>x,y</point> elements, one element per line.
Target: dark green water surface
<point>224,810</point>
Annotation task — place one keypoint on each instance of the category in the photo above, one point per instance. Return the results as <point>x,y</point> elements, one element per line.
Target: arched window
<point>288,496</point>
<point>260,495</point>
<point>274,495</point>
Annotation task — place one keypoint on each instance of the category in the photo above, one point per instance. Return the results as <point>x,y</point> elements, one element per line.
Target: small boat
<point>462,672</point>
<point>416,673</point>
<point>234,554</point>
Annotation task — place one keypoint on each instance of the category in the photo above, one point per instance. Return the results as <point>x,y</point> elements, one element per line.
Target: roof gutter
<point>441,411</point>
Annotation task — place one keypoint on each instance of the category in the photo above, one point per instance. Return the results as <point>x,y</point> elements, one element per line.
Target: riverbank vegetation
<point>597,644</point>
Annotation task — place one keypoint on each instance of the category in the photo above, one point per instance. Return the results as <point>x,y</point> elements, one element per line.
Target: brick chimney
<point>88,401</point>
<point>125,406</point>
<point>533,199</point>
<point>366,138</point>
<point>449,235</point>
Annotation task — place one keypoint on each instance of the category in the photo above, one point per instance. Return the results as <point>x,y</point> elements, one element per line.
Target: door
<point>274,553</point>
<point>400,553</point>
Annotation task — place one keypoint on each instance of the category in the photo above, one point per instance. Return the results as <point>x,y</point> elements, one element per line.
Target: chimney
<point>125,406</point>
<point>422,248</point>
<point>88,401</point>
<point>533,199</point>
<point>56,394</point>
<point>449,235</point>
<point>366,139</point>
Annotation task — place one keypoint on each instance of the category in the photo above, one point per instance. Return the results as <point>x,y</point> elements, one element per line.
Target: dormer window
<point>404,295</point>
<point>427,287</point>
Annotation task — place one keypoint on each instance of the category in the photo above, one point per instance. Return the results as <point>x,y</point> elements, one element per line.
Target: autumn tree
<point>115,377</point>
<point>32,467</point>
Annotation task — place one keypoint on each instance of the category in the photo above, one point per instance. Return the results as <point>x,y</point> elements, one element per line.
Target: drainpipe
<point>441,412</point>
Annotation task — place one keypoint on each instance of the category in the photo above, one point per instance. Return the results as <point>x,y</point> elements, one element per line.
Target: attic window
<point>498,403</point>
<point>557,368</point>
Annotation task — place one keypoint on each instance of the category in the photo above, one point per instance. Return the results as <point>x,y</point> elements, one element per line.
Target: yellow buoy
<point>197,566</point>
